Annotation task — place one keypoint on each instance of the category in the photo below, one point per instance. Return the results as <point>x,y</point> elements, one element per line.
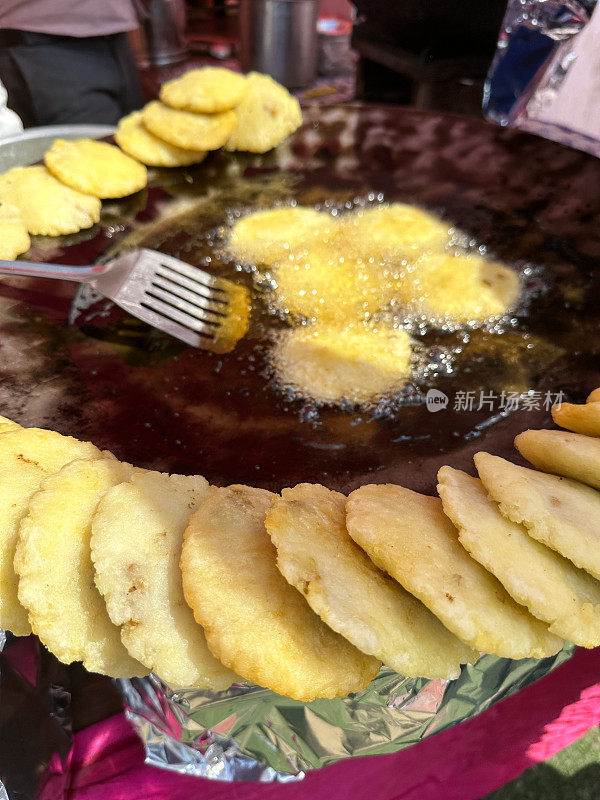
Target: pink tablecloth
<point>463,763</point>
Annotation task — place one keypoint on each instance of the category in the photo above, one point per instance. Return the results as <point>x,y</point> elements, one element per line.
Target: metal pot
<point>279,37</point>
<point>164,31</point>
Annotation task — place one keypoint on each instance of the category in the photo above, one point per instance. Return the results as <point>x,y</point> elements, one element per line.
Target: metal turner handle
<point>59,271</point>
<point>196,307</point>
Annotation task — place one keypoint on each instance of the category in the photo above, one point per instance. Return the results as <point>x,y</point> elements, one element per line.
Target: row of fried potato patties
<point>201,111</point>
<point>308,592</point>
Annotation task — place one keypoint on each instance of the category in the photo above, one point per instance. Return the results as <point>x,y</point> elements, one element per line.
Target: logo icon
<point>435,400</point>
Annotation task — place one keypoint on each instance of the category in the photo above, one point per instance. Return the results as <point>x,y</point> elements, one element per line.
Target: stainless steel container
<point>279,37</point>
<point>164,32</point>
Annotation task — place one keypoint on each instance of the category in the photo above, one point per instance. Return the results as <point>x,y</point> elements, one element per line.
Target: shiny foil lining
<point>536,49</point>
<point>252,734</point>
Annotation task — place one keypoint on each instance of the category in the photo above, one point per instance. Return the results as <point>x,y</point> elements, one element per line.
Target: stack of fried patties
<point>206,109</point>
<point>306,592</point>
<point>63,195</point>
<point>203,110</point>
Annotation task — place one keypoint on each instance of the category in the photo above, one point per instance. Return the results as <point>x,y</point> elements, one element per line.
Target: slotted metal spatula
<point>184,301</point>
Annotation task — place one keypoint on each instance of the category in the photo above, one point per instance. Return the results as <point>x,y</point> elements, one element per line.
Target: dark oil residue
<point>159,404</point>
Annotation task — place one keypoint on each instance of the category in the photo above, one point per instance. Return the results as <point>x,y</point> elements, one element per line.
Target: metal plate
<point>29,147</point>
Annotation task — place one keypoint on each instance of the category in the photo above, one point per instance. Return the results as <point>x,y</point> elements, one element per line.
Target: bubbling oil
<point>359,287</point>
<point>183,409</point>
<point>356,362</point>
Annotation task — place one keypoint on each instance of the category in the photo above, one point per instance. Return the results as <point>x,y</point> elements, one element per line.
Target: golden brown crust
<point>95,168</point>
<point>135,139</point>
<point>559,512</point>
<point>550,586</point>
<point>47,206</point>
<point>315,554</point>
<point>408,535</point>
<point>583,419</point>
<point>186,130</point>
<point>136,545</point>
<point>255,622</point>
<point>208,90</point>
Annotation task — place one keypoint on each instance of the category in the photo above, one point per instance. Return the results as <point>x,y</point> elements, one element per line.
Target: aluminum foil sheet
<point>252,734</point>
<point>542,78</point>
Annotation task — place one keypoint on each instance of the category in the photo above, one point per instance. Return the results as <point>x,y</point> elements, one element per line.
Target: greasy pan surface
<point>110,379</point>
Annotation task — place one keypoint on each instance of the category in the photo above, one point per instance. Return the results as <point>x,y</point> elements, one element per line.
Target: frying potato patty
<point>307,525</point>
<point>255,622</point>
<point>56,575</point>
<point>136,140</point>
<point>46,205</point>
<point>27,457</point>
<point>571,455</point>
<point>330,363</point>
<point>95,168</point>
<point>264,236</point>
<point>552,588</point>
<point>137,533</point>
<point>408,536</point>
<point>397,228</point>
<point>460,288</point>
<point>186,130</point>
<point>322,281</point>
<point>208,90</point>
<point>559,512</point>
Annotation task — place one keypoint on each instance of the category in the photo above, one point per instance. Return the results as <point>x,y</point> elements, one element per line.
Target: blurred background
<point>430,55</point>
